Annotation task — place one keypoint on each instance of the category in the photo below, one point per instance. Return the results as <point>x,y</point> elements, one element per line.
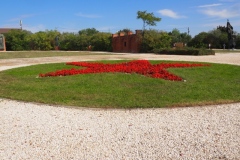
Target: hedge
<point>187,51</point>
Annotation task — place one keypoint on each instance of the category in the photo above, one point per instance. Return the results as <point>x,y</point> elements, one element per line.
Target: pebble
<point>37,131</point>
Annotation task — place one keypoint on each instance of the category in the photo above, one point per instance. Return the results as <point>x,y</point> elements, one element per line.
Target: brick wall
<point>2,43</point>
<point>129,42</point>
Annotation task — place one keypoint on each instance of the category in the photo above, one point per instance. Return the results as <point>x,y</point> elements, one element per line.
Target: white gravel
<point>38,132</point>
<point>33,131</point>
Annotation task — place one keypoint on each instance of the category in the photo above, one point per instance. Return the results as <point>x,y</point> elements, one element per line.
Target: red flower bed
<point>143,67</point>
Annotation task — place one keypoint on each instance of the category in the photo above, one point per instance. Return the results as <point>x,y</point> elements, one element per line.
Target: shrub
<point>186,51</point>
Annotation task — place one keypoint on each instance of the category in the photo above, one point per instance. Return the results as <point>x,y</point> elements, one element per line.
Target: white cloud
<point>210,5</point>
<point>88,15</point>
<point>221,11</point>
<point>224,13</point>
<point>170,13</point>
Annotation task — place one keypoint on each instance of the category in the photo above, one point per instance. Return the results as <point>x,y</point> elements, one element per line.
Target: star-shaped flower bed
<point>143,67</point>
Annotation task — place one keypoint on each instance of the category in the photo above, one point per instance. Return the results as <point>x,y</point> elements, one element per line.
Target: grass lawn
<point>33,54</point>
<point>219,83</point>
<point>226,51</point>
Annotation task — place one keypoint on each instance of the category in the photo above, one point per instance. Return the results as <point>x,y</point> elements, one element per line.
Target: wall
<point>2,43</point>
<point>127,42</point>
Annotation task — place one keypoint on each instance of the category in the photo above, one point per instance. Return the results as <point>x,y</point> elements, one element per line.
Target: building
<point>2,38</point>
<point>6,30</point>
<point>127,42</point>
<point>2,43</point>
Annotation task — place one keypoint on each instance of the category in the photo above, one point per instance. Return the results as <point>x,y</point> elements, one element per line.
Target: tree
<point>68,41</point>
<point>42,41</point>
<point>88,31</point>
<point>217,38</point>
<point>156,40</point>
<point>101,42</point>
<point>17,40</point>
<point>148,18</point>
<point>200,40</point>
<point>175,34</point>
<point>52,34</point>
<point>237,41</point>
<point>179,37</point>
<point>185,38</point>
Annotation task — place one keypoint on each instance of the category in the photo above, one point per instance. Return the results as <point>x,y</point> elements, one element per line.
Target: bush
<point>155,40</point>
<point>186,51</point>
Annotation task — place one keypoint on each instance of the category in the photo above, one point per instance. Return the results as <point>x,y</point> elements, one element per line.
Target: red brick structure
<point>3,40</point>
<point>2,43</point>
<point>178,45</point>
<point>6,30</point>
<point>127,42</point>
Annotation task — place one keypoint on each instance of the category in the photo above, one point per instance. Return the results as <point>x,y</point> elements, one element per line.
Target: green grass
<point>218,83</point>
<point>226,51</point>
<point>34,54</point>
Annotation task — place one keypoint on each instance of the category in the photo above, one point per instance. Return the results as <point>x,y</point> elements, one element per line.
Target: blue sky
<point>114,15</point>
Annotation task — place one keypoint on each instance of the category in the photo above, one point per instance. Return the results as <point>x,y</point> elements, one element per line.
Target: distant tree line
<point>18,40</point>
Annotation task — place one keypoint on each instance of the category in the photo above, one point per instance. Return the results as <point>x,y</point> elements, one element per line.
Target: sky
<point>114,15</point>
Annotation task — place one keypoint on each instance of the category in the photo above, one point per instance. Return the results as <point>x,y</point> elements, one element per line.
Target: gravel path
<point>227,58</point>
<point>37,131</point>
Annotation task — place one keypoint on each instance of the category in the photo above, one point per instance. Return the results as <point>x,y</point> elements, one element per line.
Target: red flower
<point>143,67</point>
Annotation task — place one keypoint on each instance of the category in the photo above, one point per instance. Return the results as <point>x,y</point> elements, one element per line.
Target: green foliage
<point>17,40</point>
<point>41,41</point>
<point>152,40</point>
<point>199,41</point>
<point>179,37</point>
<point>238,41</point>
<point>52,34</point>
<point>148,18</point>
<point>155,40</point>
<point>88,31</point>
<point>185,38</point>
<point>217,38</point>
<point>68,41</point>
<point>186,51</point>
<point>82,42</point>
<point>203,51</point>
<point>175,34</point>
<point>101,42</point>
